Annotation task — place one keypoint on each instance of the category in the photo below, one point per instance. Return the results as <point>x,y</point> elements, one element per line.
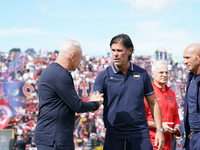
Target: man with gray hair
<point>125,85</point>
<point>58,100</point>
<point>167,101</point>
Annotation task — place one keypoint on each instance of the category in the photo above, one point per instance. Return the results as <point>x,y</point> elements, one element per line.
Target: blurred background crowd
<point>19,74</point>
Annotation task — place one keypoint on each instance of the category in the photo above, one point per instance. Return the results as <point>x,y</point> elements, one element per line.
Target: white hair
<point>156,63</point>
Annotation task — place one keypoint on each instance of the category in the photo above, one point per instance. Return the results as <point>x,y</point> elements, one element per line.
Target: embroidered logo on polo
<point>136,75</point>
<point>170,99</point>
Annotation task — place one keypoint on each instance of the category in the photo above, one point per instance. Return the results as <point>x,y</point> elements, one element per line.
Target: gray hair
<point>156,63</point>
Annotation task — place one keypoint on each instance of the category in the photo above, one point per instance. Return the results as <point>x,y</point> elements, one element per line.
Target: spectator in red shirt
<point>168,105</point>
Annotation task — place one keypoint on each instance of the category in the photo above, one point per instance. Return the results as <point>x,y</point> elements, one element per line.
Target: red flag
<point>5,113</point>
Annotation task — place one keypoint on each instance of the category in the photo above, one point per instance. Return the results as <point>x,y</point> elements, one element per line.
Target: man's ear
<point>152,74</point>
<point>198,56</point>
<point>130,50</point>
<point>72,57</point>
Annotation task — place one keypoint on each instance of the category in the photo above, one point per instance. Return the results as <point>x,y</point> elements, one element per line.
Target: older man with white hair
<point>168,105</point>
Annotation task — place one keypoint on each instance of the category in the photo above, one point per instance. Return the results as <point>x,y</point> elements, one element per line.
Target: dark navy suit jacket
<point>197,95</point>
<point>58,102</point>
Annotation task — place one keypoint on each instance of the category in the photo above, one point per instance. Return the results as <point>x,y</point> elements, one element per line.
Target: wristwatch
<point>162,130</point>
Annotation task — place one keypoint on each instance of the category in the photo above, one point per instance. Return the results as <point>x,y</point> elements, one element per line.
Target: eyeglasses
<point>162,72</point>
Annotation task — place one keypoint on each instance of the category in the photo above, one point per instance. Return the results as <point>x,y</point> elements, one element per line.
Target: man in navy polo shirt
<point>58,101</point>
<point>124,85</point>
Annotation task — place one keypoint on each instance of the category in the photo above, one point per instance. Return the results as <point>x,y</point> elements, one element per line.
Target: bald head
<point>194,48</point>
<point>70,47</point>
<point>69,55</point>
<point>191,57</point>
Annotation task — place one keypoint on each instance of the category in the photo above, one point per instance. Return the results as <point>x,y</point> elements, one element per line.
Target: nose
<point>115,53</point>
<point>185,61</point>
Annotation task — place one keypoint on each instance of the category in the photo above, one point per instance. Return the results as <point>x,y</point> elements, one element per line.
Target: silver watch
<point>162,130</point>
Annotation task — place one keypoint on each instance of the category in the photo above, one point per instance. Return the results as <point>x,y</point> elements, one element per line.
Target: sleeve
<point>99,83</point>
<point>148,88</point>
<point>148,111</point>
<point>64,87</point>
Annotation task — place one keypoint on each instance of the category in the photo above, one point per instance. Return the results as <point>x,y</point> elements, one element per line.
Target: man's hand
<point>159,138</point>
<point>96,97</point>
<point>177,133</point>
<point>167,128</point>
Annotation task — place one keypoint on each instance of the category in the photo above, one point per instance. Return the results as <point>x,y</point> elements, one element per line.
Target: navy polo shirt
<point>58,102</point>
<point>124,110</point>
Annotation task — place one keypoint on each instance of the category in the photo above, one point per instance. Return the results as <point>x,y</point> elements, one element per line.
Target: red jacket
<point>169,110</point>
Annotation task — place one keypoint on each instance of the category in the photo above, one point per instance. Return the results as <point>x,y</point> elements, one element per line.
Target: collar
<point>190,76</point>
<point>160,89</point>
<point>115,70</point>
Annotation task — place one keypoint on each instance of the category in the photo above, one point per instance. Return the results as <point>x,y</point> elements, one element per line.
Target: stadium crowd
<point>89,129</point>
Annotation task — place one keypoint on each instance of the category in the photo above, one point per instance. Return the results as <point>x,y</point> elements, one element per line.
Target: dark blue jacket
<point>197,95</point>
<point>58,102</point>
